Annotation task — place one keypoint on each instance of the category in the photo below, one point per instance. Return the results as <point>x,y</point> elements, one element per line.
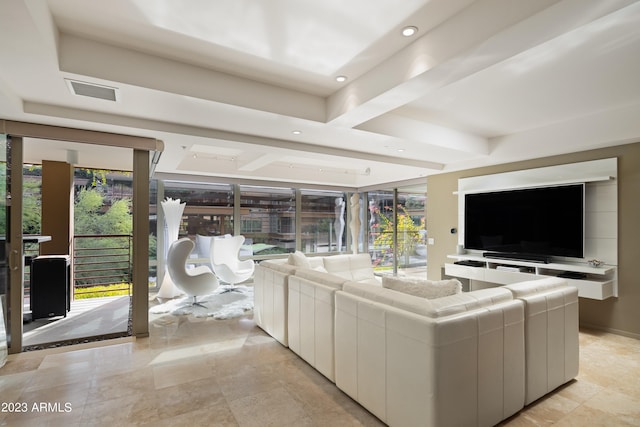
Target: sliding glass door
<point>4,266</point>
<point>397,232</point>
<point>11,263</point>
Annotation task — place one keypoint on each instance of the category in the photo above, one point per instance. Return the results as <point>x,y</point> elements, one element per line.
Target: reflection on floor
<point>89,317</point>
<point>200,371</point>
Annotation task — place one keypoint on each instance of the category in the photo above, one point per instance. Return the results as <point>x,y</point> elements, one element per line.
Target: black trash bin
<point>50,276</point>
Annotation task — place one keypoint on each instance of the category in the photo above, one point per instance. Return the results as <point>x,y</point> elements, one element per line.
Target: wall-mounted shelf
<point>594,282</point>
<point>590,171</point>
<point>545,184</point>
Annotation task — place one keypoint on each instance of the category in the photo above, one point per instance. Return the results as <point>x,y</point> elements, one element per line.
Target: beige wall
<point>622,314</point>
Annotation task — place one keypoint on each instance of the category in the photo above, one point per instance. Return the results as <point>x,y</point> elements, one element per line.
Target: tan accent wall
<point>620,315</point>
<point>57,207</point>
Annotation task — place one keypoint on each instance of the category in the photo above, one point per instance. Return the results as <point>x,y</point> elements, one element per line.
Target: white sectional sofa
<point>471,358</point>
<point>271,285</point>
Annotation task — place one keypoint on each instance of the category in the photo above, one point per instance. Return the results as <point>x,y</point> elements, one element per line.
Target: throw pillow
<point>423,288</point>
<point>299,260</point>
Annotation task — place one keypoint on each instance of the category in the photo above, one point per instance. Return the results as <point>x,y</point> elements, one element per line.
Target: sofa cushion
<point>423,288</point>
<point>298,259</point>
<point>326,279</point>
<point>351,267</point>
<point>317,263</point>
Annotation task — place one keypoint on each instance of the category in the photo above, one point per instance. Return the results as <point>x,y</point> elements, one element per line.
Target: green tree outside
<point>408,232</point>
<point>90,218</point>
<point>31,206</point>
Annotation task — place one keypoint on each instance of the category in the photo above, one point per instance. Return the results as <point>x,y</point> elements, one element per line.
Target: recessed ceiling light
<point>296,132</point>
<point>389,147</point>
<point>409,31</point>
<point>341,79</point>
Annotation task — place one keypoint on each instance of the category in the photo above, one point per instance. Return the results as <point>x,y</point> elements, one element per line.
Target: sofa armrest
<point>530,287</point>
<point>551,334</point>
<point>270,301</point>
<point>279,265</point>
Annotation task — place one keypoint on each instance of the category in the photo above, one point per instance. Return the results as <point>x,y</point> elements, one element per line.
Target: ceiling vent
<point>93,90</point>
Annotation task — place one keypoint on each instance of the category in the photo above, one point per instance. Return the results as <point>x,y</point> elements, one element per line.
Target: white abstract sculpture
<point>355,223</point>
<point>338,224</point>
<point>173,210</point>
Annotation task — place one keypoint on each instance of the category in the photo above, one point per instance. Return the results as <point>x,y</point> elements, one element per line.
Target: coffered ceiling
<point>248,89</point>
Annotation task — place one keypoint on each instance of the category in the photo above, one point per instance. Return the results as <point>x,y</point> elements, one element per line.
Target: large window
<point>208,210</point>
<point>274,222</point>
<point>267,219</point>
<point>323,217</point>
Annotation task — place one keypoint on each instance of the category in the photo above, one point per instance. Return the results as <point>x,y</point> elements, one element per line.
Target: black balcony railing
<point>102,260</point>
<point>98,260</point>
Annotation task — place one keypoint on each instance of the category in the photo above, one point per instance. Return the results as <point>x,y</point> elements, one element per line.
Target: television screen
<point>546,221</point>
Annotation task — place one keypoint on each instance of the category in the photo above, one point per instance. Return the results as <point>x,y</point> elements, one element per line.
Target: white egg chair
<point>194,282</point>
<point>226,261</point>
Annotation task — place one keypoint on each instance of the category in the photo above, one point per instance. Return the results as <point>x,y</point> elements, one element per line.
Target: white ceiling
<point>224,84</point>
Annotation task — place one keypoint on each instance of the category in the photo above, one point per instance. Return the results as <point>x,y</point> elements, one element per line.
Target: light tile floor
<point>192,372</point>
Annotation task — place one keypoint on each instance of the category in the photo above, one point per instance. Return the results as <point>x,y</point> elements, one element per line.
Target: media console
<point>592,282</point>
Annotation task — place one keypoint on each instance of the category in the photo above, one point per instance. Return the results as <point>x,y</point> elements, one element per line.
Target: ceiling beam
<point>427,134</point>
<point>181,129</point>
<point>447,54</point>
<point>99,60</point>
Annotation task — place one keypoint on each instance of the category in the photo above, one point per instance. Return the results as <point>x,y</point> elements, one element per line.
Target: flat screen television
<point>527,223</point>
